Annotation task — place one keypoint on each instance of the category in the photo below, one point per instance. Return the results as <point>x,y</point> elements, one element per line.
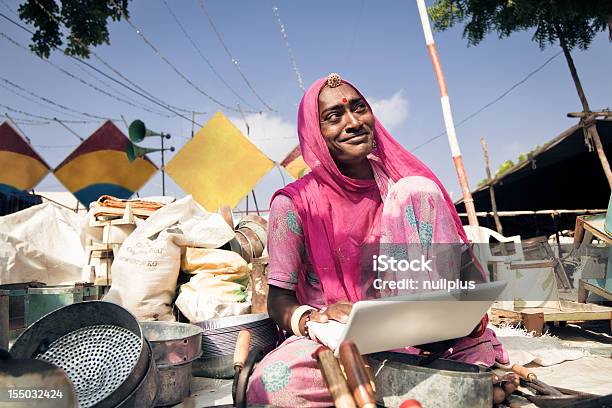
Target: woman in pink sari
<point>364,190</point>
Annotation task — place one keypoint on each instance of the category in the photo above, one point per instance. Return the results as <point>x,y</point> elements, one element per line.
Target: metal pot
<point>172,342</point>
<point>442,383</point>
<point>175,346</point>
<point>174,384</point>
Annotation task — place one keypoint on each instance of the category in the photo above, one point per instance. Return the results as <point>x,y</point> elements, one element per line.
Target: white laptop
<point>422,318</point>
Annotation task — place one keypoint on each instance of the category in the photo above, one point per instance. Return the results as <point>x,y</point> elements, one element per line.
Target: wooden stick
<point>369,374</point>
<point>334,378</point>
<point>588,121</point>
<point>226,213</point>
<point>356,375</point>
<point>485,151</point>
<point>242,348</point>
<point>523,372</point>
<point>605,114</point>
<point>538,212</point>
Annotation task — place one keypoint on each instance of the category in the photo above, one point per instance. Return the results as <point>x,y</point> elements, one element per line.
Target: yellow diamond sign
<point>219,165</point>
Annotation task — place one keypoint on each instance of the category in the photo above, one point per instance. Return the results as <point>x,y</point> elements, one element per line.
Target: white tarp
<point>41,243</point>
<point>546,350</point>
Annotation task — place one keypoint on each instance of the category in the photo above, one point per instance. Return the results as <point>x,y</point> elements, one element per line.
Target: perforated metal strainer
<point>98,344</point>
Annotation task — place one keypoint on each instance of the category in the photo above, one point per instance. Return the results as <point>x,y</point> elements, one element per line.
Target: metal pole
<point>255,200</point>
<point>127,126</point>
<point>192,122</point>
<point>163,164</point>
<point>68,129</point>
<point>448,117</point>
<point>4,318</point>
<point>18,128</point>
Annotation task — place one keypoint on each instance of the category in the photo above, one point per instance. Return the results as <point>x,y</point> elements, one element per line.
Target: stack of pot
<point>251,237</point>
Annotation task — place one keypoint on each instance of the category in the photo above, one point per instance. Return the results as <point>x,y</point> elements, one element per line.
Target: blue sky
<point>379,46</point>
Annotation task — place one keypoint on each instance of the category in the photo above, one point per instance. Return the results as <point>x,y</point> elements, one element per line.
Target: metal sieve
<point>97,360</point>
<point>99,345</point>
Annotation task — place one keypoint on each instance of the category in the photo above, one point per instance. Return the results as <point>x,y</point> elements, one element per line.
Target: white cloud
<point>391,111</point>
<point>273,135</point>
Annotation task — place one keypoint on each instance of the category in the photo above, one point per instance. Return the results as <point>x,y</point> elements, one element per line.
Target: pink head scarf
<point>324,195</point>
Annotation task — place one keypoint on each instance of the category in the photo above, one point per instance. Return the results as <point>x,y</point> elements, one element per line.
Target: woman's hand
<point>338,311</point>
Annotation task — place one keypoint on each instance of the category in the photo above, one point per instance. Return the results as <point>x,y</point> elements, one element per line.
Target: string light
<point>201,54</point>
<point>46,118</point>
<point>233,60</point>
<point>34,101</point>
<point>51,102</point>
<point>147,95</point>
<point>285,36</point>
<point>142,94</point>
<point>171,65</point>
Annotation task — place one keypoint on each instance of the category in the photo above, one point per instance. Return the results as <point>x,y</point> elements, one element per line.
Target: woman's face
<point>347,124</point>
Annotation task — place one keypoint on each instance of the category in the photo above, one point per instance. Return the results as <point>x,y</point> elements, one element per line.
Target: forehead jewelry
<point>334,80</point>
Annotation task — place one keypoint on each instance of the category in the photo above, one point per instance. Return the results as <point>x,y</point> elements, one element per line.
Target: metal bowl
<point>98,344</point>
<point>219,341</point>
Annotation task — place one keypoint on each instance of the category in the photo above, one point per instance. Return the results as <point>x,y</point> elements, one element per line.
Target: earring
<point>374,145</point>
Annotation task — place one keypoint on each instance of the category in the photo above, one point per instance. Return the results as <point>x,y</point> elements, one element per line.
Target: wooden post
<point>591,131</point>
<point>485,151</point>
<point>588,120</point>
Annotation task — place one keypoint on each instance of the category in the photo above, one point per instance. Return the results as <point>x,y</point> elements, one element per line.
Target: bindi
<point>344,100</point>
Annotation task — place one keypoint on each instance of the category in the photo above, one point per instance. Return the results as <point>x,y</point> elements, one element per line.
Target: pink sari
<point>339,214</point>
<point>315,241</point>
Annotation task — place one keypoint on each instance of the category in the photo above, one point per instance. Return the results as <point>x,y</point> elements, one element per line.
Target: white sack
<point>199,306</point>
<point>218,287</point>
<point>145,270</point>
<point>41,243</point>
